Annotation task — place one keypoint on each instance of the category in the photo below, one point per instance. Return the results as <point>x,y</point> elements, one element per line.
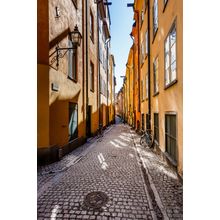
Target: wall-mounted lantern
<point>75,37</point>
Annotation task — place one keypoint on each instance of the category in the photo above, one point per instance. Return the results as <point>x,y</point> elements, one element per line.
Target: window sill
<point>155,94</point>
<point>72,79</point>
<point>170,84</point>
<point>154,35</point>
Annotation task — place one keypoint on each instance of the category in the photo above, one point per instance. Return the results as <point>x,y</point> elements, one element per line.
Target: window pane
<point>74,67</point>
<point>147,85</point>
<point>173,71</point>
<point>167,80</point>
<point>73,121</point>
<point>155,16</point>
<point>167,61</point>
<point>70,60</point>
<point>146,38</point>
<point>167,45</point>
<point>173,36</point>
<point>173,53</point>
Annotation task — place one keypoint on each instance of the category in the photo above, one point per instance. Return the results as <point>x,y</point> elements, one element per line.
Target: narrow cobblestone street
<point>123,180</point>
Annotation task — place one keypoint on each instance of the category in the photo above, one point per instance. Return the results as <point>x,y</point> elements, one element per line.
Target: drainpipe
<point>87,94</point>
<point>83,57</point>
<point>149,89</point>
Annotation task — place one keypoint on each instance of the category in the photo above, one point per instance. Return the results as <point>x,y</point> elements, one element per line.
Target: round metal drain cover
<point>96,200</point>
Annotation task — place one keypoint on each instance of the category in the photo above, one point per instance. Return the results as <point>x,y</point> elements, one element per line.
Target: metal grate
<point>95,200</point>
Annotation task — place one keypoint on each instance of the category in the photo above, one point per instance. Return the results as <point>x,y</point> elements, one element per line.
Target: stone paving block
<point>104,168</point>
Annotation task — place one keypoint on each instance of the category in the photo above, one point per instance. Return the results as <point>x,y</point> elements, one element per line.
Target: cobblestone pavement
<point>110,166</point>
<point>165,183</point>
<point>137,183</point>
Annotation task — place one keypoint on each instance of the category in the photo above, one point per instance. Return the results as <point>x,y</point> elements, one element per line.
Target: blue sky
<point>121,24</point>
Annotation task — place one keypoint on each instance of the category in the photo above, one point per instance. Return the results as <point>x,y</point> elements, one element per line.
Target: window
<point>170,57</point>
<point>146,43</point>
<point>156,127</point>
<point>155,69</point>
<point>147,121</point>
<point>170,136</point>
<point>142,95</point>
<point>155,17</point>
<point>142,53</point>
<point>142,122</point>
<point>91,26</point>
<point>142,16</point>
<point>147,86</point>
<point>73,121</point>
<point>91,76</point>
<point>72,62</point>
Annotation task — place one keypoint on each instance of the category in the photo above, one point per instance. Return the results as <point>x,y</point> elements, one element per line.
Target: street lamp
<point>75,37</point>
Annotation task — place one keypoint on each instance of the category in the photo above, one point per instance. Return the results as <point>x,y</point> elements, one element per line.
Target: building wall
<point>93,56</point>
<point>104,62</point>
<point>69,90</point>
<point>168,99</point>
<point>42,75</point>
<point>111,88</point>
<point>130,87</point>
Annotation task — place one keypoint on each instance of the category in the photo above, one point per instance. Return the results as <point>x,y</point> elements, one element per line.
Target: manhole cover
<point>95,200</point>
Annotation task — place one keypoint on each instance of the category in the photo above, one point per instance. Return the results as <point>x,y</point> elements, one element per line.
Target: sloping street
<point>111,177</point>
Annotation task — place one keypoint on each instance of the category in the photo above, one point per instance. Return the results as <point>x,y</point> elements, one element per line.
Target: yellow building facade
<point>112,84</point>
<point>158,33</point>
<point>68,80</point>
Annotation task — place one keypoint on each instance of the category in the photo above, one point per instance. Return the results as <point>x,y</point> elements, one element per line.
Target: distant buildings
<point>75,87</point>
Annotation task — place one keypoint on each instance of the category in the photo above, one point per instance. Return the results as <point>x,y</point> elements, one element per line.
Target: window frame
<point>171,83</point>
<point>170,157</point>
<point>74,60</point>
<point>147,87</point>
<point>146,44</point>
<point>154,77</point>
<point>142,122</point>
<point>153,11</point>
<point>142,90</point>
<point>157,128</point>
<point>91,25</point>
<point>76,107</point>
<point>92,77</point>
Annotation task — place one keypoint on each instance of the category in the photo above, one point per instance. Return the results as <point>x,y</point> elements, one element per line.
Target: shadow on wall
<point>60,144</point>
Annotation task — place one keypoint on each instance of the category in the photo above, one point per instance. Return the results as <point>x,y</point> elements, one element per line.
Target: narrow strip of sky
<point>121,26</point>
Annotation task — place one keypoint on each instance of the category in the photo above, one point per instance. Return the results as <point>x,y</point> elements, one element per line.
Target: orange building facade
<point>69,87</point>
<point>158,75</point>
